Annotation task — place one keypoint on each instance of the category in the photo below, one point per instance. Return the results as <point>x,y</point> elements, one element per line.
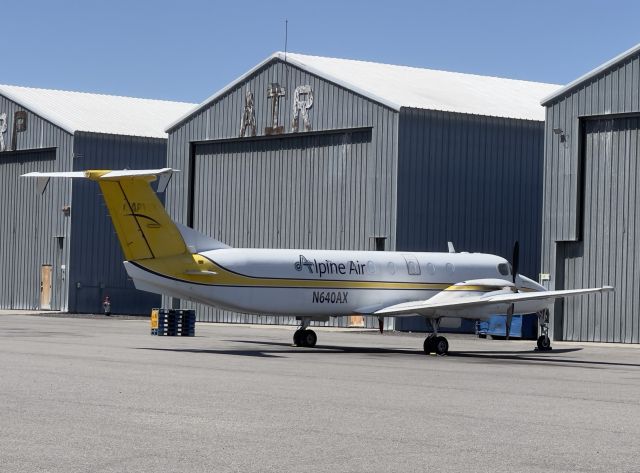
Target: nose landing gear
<point>544,342</point>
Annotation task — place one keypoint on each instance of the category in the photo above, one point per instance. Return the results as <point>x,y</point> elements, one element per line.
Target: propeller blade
<point>515,261</point>
<point>515,266</point>
<point>509,318</point>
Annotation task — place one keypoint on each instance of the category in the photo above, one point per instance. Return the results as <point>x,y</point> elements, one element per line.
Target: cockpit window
<point>503,268</point>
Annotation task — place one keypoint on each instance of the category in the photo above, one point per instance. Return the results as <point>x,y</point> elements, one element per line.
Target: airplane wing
<point>429,307</point>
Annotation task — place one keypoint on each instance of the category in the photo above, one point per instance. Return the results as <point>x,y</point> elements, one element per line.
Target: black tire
<point>297,338</point>
<point>308,338</point>
<point>441,346</point>
<point>544,343</point>
<point>429,346</point>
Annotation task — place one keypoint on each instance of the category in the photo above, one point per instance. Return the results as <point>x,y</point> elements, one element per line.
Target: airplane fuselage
<point>320,282</point>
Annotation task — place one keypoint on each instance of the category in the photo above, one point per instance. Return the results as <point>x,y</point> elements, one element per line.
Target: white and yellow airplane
<point>164,257</point>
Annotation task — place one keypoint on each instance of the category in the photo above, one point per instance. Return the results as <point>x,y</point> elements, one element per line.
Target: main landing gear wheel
<point>434,343</point>
<point>305,338</point>
<point>544,343</point>
<point>438,345</point>
<point>441,346</point>
<point>429,347</point>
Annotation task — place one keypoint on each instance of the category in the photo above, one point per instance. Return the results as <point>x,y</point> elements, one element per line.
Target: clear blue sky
<point>188,49</point>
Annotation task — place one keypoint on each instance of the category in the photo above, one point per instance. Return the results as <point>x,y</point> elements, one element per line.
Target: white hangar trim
<point>98,113</point>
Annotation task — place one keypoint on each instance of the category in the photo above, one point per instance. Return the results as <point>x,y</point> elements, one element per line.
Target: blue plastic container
<point>522,326</point>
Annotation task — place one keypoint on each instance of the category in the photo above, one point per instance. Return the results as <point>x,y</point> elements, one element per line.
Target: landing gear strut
<point>303,337</point>
<point>435,343</point>
<point>544,342</point>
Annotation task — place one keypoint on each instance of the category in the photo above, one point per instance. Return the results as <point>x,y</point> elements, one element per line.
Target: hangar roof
<point>590,75</point>
<point>403,86</point>
<point>80,111</point>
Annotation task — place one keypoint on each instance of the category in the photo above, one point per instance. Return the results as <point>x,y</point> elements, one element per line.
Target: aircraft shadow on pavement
<point>287,348</point>
<point>279,349</point>
<point>538,357</point>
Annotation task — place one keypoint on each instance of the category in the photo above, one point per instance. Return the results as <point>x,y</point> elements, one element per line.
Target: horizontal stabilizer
<point>95,175</point>
<point>162,175</point>
<point>56,174</point>
<point>138,173</point>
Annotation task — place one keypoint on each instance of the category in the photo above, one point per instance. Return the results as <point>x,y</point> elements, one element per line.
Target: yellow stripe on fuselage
<point>197,269</point>
<point>185,268</point>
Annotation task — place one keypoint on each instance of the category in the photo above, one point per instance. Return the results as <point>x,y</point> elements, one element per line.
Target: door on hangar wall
<point>296,191</point>
<point>608,252</point>
<point>22,227</point>
<point>45,286</point>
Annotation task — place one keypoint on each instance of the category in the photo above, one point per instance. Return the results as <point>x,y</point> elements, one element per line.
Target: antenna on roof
<point>286,37</point>
<point>286,65</point>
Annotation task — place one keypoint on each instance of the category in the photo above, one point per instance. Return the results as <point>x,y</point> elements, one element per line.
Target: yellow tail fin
<point>143,226</point>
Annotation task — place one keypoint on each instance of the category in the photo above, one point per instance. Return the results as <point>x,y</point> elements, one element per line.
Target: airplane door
<point>413,267</point>
<point>45,286</point>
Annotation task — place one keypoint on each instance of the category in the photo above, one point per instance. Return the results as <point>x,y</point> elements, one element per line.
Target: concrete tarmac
<point>102,395</point>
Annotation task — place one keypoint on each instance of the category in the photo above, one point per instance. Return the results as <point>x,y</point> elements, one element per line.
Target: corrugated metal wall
<point>274,185</point>
<point>589,204</point>
<point>610,229</point>
<point>334,108</point>
<point>96,256</point>
<point>473,180</point>
<point>29,221</point>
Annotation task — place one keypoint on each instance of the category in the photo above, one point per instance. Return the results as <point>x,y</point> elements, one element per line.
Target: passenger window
<point>413,267</point>
<point>371,267</point>
<point>391,267</point>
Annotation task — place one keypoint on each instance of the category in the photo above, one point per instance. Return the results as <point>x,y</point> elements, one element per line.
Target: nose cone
<point>523,282</point>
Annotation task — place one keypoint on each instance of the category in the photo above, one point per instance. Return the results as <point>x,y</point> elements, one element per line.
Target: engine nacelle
<point>473,288</point>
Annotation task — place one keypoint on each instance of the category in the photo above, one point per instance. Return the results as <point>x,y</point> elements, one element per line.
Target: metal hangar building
<point>317,152</point>
<point>591,223</point>
<point>58,248</point>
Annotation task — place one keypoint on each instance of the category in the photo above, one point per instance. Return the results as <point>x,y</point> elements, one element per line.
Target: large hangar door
<point>24,220</point>
<point>295,191</point>
<point>609,251</point>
